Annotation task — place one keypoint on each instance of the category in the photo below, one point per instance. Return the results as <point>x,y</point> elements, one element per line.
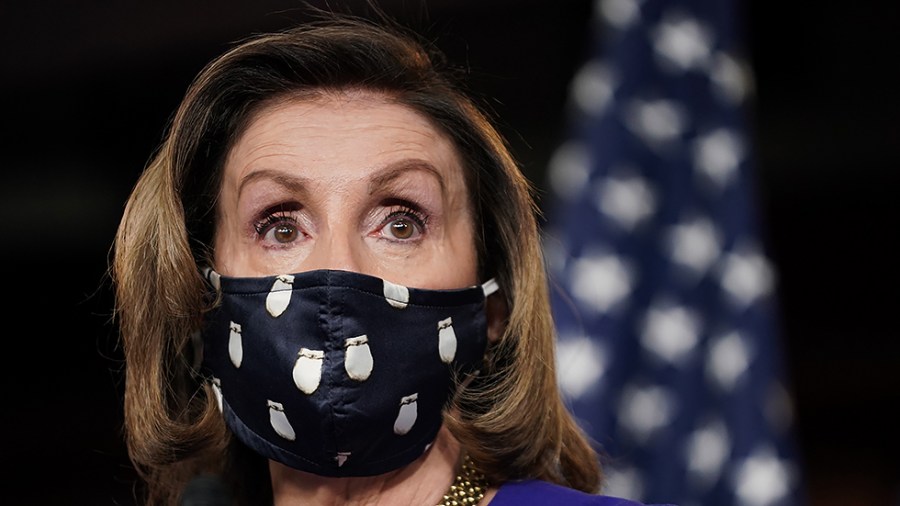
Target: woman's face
<point>346,181</point>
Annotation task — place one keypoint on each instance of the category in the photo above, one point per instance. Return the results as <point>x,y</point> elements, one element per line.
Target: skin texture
<point>353,175</point>
<point>349,180</point>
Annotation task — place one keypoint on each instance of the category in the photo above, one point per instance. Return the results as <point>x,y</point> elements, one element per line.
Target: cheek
<point>224,253</point>
<point>446,261</point>
<point>457,262</point>
<point>466,260</point>
<point>226,247</point>
<point>466,241</point>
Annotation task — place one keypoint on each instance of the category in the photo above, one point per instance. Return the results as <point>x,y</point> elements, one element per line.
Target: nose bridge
<point>336,247</point>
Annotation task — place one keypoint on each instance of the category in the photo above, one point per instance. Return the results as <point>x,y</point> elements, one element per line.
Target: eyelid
<point>279,211</point>
<point>419,216</point>
<point>403,209</point>
<point>264,225</point>
<point>285,212</point>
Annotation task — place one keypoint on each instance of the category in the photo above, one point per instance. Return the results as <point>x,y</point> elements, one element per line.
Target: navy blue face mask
<point>338,373</point>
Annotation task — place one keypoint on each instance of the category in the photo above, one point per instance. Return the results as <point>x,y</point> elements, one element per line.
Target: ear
<point>497,315</point>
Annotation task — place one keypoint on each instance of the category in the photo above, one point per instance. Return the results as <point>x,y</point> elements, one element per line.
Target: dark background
<point>87,87</point>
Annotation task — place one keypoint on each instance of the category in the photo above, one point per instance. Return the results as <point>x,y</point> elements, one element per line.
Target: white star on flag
<point>569,170</point>
<point>626,198</point>
<point>706,451</point>
<point>657,122</point>
<point>600,282</point>
<point>682,42</point>
<point>623,482</point>
<point>717,155</point>
<point>694,244</point>
<point>732,79</point>
<point>745,275</point>
<point>619,13</point>
<point>762,479</point>
<point>663,298</point>
<point>581,363</point>
<point>593,87</point>
<point>645,410</point>
<point>670,332</point>
<point>729,358</point>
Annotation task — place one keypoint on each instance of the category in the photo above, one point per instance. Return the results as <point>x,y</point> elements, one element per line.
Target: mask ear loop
<point>211,277</point>
<point>490,286</point>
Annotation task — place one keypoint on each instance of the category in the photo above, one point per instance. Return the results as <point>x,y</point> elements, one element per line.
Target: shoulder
<point>540,493</point>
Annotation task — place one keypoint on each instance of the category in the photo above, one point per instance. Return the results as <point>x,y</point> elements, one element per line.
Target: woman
<point>330,289</point>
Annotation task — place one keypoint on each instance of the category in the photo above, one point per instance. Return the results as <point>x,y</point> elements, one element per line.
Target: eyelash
<point>281,215</point>
<point>419,217</point>
<point>272,218</point>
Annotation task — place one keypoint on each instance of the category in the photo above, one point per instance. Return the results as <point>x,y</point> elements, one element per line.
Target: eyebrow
<point>383,178</point>
<point>395,170</point>
<point>290,182</point>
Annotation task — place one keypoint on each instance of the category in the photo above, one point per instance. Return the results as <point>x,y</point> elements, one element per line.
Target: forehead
<point>339,134</point>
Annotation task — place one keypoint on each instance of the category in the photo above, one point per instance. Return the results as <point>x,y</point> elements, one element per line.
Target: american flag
<point>662,289</point>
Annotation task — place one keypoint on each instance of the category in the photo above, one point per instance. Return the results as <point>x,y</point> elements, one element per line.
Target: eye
<point>401,228</point>
<point>278,226</point>
<point>284,233</point>
<point>403,224</point>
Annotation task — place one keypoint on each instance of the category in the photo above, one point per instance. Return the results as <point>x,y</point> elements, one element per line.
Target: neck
<point>423,482</point>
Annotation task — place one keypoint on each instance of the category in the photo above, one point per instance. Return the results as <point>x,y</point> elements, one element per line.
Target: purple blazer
<point>542,493</point>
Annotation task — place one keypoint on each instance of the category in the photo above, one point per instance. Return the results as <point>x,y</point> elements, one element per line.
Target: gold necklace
<point>468,488</point>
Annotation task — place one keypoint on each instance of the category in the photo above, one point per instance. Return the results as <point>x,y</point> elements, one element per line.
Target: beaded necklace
<point>468,488</point>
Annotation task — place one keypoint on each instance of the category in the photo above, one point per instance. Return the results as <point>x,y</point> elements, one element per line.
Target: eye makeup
<point>404,223</point>
<point>279,224</point>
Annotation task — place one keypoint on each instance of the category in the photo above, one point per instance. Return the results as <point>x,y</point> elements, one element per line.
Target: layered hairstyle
<point>511,419</point>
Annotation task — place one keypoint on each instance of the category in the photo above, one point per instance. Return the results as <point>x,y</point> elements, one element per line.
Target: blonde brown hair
<point>511,420</point>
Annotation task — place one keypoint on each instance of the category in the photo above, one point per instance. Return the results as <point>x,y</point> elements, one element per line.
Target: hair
<point>511,420</point>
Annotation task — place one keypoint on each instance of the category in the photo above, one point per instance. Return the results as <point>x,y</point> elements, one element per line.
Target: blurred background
<point>87,89</point>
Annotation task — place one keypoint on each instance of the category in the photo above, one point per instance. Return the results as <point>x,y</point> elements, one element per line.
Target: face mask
<point>338,373</point>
